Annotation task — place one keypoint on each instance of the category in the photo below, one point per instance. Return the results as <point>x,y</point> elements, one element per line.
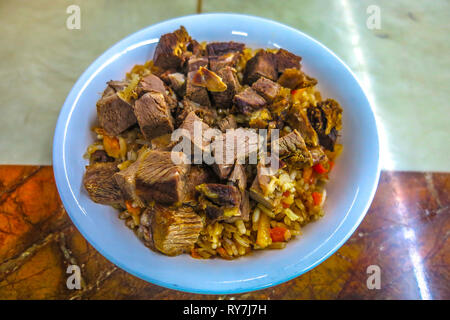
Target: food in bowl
<point>214,149</point>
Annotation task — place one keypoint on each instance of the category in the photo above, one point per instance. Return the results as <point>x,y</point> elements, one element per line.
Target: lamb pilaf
<point>176,205</point>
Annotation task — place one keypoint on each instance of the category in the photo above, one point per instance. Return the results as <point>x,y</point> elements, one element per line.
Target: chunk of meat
<point>197,176</point>
<point>150,83</point>
<point>169,53</point>
<point>248,101</point>
<point>286,59</point>
<point>234,145</point>
<point>114,114</point>
<point>229,122</point>
<point>326,119</point>
<point>220,202</point>
<point>207,114</point>
<point>257,194</point>
<point>262,64</point>
<point>238,177</point>
<point>293,146</point>
<point>153,115</point>
<point>161,177</point>
<point>221,48</point>
<point>221,194</point>
<point>117,85</point>
<point>99,183</point>
<point>268,89</point>
<point>200,142</point>
<point>177,81</point>
<point>126,180</point>
<point>224,99</point>
<point>195,62</point>
<point>196,93</point>
<point>100,156</point>
<point>296,79</point>
<point>297,118</point>
<point>226,60</point>
<point>174,230</point>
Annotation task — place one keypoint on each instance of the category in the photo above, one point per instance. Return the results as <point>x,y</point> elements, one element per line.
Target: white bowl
<point>350,190</point>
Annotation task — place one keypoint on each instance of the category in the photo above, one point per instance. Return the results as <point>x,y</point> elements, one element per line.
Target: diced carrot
<point>286,194</point>
<point>112,146</point>
<point>194,254</point>
<point>307,174</point>
<point>331,163</point>
<point>293,91</point>
<point>132,210</point>
<point>278,234</point>
<point>223,253</point>
<point>285,205</point>
<point>319,168</point>
<point>317,197</point>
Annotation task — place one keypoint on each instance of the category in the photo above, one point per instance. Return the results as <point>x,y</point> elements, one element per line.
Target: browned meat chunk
<point>296,79</point>
<point>326,120</point>
<point>258,190</point>
<point>150,83</point>
<point>117,85</point>
<point>293,146</point>
<point>153,115</point>
<point>224,99</point>
<point>248,101</point>
<point>161,177</point>
<point>196,48</point>
<point>197,176</point>
<point>100,156</point>
<point>227,60</point>
<point>221,194</point>
<point>263,64</point>
<point>229,122</point>
<point>220,202</point>
<point>196,93</point>
<point>177,81</point>
<point>195,62</point>
<point>207,114</point>
<point>268,89</point>
<point>234,145</point>
<point>114,114</point>
<point>286,59</point>
<point>221,48</point>
<point>196,132</point>
<point>174,230</point>
<point>298,119</point>
<point>126,180</point>
<point>238,177</point>
<point>99,183</point>
<point>169,53</point>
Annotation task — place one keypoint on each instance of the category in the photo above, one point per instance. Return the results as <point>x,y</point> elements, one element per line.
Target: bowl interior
<point>350,190</point>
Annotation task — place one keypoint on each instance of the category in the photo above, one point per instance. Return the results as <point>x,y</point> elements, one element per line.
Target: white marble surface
<point>404,66</point>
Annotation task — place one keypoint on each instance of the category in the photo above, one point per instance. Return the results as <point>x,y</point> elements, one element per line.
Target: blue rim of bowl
<point>67,196</point>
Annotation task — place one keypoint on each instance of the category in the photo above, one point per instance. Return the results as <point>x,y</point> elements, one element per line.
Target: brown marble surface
<point>406,233</point>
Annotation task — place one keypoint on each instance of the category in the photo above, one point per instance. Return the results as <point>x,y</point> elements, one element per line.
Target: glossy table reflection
<point>405,233</point>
